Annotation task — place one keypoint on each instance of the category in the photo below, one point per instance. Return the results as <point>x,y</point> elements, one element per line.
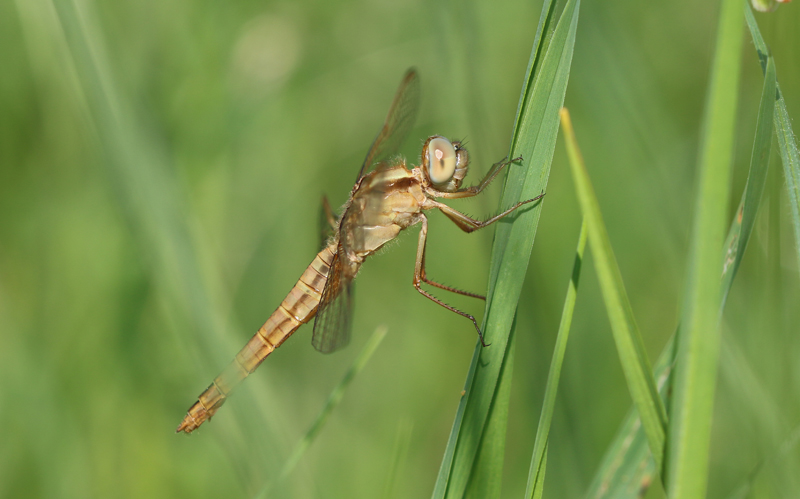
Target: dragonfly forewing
<point>399,121</point>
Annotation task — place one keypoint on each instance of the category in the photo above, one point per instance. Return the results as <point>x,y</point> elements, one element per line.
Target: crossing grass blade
<point>630,347</point>
<point>627,468</point>
<point>333,400</point>
<point>627,464</point>
<point>698,343</point>
<point>744,220</point>
<point>538,490</point>
<point>535,485</point>
<point>473,459</point>
<point>787,142</point>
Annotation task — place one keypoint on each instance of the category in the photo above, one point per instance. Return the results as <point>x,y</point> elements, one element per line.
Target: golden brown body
<point>296,309</point>
<point>386,201</point>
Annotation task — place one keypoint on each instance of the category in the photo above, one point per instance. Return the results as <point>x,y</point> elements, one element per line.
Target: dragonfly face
<point>387,197</point>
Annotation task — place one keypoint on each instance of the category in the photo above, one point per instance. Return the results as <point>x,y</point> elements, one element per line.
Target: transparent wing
<point>398,122</point>
<point>333,323</point>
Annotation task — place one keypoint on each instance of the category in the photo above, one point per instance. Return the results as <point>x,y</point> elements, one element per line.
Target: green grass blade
<point>534,139</point>
<point>628,467</point>
<point>538,489</point>
<point>742,226</point>
<point>333,400</point>
<point>485,479</point>
<point>627,464</point>
<point>633,358</point>
<point>543,33</point>
<point>787,143</point>
<point>538,462</point>
<point>698,345</point>
<point>790,156</point>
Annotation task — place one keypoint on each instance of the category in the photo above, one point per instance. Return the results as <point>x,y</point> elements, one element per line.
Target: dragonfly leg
<point>424,277</point>
<point>469,224</point>
<point>327,222</point>
<point>450,288</point>
<point>474,190</point>
<point>328,212</point>
<point>419,277</point>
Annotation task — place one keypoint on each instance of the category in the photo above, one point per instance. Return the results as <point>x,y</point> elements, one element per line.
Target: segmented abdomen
<point>299,307</point>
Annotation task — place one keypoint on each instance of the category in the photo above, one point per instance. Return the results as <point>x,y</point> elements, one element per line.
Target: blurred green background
<point>141,244</point>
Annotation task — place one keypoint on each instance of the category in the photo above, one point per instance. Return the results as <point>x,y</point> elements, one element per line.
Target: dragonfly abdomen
<point>299,307</point>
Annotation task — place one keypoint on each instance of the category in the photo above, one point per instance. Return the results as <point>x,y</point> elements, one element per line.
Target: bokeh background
<point>141,244</point>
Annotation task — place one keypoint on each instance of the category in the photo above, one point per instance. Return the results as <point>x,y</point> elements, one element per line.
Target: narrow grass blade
<point>630,348</point>
<point>742,226</point>
<point>533,139</point>
<point>399,456</point>
<point>538,487</point>
<point>540,42</point>
<point>787,143</point>
<point>538,462</point>
<point>627,468</point>
<point>333,400</point>
<point>698,344</point>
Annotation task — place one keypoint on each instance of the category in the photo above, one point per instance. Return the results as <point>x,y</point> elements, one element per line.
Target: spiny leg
<point>328,212</point>
<point>419,276</point>
<point>474,190</point>
<point>449,288</point>
<point>445,287</point>
<point>469,224</point>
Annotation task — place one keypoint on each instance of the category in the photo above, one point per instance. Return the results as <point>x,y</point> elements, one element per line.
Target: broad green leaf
<point>698,344</point>
<point>478,434</point>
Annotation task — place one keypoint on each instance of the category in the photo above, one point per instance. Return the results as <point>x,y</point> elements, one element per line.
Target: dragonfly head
<point>444,162</point>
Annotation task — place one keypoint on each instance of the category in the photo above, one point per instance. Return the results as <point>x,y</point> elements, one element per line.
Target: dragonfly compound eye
<point>441,158</point>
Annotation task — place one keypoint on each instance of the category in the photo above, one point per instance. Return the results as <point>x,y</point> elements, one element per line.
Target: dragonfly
<point>388,196</point>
